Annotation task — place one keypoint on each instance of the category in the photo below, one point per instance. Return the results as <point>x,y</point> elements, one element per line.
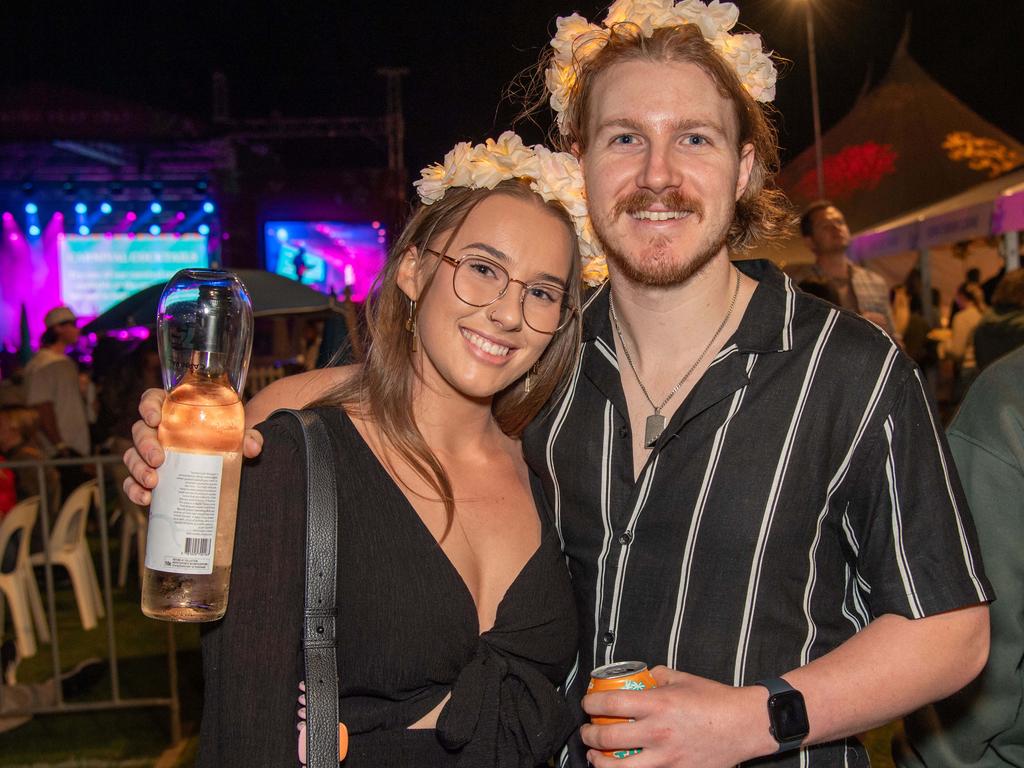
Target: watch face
<point>788,715</point>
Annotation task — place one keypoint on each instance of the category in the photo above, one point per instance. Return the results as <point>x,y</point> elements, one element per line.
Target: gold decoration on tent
<point>981,154</point>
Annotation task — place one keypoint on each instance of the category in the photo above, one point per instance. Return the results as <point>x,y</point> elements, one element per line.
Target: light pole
<point>814,98</point>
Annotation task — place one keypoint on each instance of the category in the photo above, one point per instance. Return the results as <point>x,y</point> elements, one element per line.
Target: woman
<point>456,613</point>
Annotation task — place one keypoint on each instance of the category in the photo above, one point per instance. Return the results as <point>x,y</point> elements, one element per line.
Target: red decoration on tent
<point>852,169</point>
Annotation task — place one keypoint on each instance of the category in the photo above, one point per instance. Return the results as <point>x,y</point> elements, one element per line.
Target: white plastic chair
<point>134,524</point>
<point>18,585</point>
<point>69,549</point>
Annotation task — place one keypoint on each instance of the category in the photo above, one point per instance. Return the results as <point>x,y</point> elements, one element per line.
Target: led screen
<point>97,271</point>
<point>326,255</point>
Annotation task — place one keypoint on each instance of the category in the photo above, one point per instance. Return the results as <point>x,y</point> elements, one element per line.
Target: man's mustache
<point>673,200</point>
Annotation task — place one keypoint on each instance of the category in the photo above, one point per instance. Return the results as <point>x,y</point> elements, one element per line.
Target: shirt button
<point>625,537</point>
<point>623,432</point>
<point>608,638</point>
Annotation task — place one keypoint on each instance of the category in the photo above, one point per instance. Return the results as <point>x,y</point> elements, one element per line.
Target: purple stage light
<point>131,216</point>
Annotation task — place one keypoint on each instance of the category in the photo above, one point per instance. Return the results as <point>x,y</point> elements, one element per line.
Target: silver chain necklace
<point>656,422</point>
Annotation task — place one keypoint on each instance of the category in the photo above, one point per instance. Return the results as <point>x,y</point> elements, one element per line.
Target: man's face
<point>829,233</point>
<point>662,170</point>
<point>67,332</point>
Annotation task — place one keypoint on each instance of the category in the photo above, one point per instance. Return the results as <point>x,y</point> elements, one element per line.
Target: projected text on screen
<point>97,271</point>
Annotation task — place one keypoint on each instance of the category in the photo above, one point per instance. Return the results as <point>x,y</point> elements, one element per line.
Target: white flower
<point>555,176</point>
<point>752,65</point>
<point>559,178</point>
<point>578,40</point>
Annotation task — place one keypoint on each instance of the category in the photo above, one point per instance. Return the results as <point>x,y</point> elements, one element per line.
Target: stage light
<point>202,185</point>
<point>81,209</point>
<point>34,230</point>
<point>204,229</point>
<point>282,235</point>
<point>154,230</point>
<point>155,207</point>
<point>208,207</point>
<point>83,230</point>
<point>31,209</point>
<point>131,216</point>
<point>375,225</point>
<point>106,208</point>
<point>180,215</point>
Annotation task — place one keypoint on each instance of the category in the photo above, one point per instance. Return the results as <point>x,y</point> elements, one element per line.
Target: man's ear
<point>410,275</point>
<point>746,166</point>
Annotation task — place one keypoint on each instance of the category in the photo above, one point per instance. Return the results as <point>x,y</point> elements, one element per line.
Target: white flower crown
<point>553,175</point>
<point>577,40</point>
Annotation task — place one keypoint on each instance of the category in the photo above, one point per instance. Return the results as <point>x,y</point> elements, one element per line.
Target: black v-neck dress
<point>408,632</point>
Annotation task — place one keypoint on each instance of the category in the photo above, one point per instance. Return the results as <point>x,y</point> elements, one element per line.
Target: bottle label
<point>183,513</point>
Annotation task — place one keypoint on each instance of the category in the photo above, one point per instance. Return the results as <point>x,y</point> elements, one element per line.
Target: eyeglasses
<point>480,282</point>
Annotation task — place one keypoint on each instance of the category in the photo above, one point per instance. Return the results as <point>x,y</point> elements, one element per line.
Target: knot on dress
<point>503,712</point>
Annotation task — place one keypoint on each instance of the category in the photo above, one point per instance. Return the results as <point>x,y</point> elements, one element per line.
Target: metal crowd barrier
<point>116,700</point>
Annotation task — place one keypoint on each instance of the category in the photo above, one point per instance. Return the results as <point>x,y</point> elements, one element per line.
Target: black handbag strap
<point>318,637</point>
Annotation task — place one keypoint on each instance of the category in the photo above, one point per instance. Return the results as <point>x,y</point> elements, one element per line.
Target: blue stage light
<point>106,208</point>
<point>81,208</point>
<point>33,231</point>
<point>155,229</point>
<point>83,230</point>
<point>208,207</point>
<point>31,209</point>
<point>155,207</point>
<point>204,229</point>
<point>282,235</point>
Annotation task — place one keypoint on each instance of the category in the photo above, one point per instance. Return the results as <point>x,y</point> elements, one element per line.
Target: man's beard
<point>660,270</point>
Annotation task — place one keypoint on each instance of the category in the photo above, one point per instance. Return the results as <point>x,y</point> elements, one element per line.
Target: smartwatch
<point>787,715</point>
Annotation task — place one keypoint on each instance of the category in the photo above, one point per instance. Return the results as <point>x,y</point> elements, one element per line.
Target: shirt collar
<point>767,324</point>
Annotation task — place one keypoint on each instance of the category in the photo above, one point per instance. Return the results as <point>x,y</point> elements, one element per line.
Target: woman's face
<point>479,351</point>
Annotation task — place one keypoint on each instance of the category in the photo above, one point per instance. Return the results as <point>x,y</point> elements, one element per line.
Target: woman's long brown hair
<point>382,390</point>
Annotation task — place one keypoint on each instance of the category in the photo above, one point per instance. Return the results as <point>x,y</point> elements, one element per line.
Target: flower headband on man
<point>577,40</point>
<point>553,175</point>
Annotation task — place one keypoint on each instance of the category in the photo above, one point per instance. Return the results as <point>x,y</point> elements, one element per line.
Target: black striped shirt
<point>803,488</point>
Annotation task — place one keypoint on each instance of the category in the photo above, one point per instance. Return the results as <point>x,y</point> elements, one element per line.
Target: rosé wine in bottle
<point>205,336</point>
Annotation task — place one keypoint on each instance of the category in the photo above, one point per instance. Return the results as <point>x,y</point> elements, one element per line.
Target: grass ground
<point>122,737</point>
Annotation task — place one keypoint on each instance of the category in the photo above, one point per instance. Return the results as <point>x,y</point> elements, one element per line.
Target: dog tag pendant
<point>655,426</point>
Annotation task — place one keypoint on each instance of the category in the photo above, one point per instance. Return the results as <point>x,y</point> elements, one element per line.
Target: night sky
<point>306,59</point>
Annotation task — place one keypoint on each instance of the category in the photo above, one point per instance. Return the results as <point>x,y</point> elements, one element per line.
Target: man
<point>52,388</point>
<point>982,726</point>
<point>1001,329</point>
<point>824,230</point>
<point>749,484</point>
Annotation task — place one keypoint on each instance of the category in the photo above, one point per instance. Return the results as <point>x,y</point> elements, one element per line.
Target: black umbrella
<point>271,295</point>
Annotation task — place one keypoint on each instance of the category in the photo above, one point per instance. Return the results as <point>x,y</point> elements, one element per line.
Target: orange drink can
<point>619,676</point>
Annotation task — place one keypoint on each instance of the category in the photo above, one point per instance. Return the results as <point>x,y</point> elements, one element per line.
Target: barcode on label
<point>197,546</point>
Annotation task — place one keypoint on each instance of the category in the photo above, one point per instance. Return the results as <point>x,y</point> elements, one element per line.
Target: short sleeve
<point>252,657</point>
<point>915,546</point>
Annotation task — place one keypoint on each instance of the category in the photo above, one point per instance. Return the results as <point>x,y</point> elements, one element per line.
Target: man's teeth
<point>660,215</point>
<point>487,346</point>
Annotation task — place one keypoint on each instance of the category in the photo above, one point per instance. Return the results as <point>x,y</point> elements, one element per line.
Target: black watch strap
<point>777,686</point>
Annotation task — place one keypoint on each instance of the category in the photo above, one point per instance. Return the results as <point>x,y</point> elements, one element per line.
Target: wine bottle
<point>204,327</point>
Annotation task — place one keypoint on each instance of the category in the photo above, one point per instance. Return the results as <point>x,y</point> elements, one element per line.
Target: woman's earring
<point>410,325</point>
<point>528,384</point>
